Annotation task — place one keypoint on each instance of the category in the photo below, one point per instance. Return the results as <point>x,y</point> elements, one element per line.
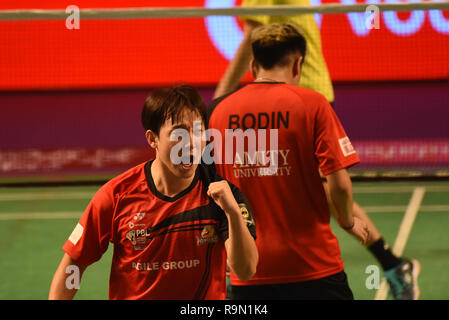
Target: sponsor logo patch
<point>245,214</point>
<point>139,216</point>
<point>208,235</point>
<point>346,146</point>
<point>76,234</point>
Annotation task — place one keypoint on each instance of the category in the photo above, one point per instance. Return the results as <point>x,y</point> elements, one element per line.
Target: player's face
<point>180,145</point>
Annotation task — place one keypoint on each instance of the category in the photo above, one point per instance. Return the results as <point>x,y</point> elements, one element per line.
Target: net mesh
<point>71,90</point>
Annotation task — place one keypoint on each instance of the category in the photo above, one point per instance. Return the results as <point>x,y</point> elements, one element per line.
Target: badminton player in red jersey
<point>299,256</point>
<point>172,225</point>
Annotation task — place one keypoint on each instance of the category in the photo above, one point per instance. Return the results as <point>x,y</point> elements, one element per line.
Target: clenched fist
<point>221,193</point>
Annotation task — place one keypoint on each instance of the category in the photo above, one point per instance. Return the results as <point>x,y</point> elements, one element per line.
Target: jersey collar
<point>267,82</point>
<point>161,196</point>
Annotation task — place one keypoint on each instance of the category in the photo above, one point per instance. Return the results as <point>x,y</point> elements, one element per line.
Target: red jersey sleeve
<point>91,236</point>
<point>333,149</point>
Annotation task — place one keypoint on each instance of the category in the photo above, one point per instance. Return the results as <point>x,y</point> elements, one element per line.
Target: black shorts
<point>334,287</point>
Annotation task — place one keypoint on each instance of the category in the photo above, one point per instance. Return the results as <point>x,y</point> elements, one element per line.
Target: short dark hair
<point>274,43</point>
<point>163,104</point>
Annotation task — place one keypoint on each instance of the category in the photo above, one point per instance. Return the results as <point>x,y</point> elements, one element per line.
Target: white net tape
<point>190,12</point>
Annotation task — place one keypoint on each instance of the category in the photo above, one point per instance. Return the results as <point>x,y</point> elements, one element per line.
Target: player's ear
<point>253,68</point>
<point>296,67</point>
<point>152,139</point>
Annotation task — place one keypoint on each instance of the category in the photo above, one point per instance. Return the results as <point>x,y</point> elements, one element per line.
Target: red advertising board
<point>41,55</point>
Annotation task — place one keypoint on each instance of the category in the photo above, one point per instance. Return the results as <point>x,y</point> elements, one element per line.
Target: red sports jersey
<point>295,240</point>
<point>164,247</point>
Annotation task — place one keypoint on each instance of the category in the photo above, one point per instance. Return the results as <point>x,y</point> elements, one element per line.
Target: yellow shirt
<point>315,75</point>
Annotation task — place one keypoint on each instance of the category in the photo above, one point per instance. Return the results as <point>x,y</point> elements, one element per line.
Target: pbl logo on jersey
<point>138,238</point>
<point>208,235</point>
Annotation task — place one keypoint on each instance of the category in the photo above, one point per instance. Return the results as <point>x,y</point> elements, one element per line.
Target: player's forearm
<point>241,247</point>
<point>340,190</point>
<point>59,290</point>
<point>237,68</point>
<point>61,287</point>
<point>343,205</point>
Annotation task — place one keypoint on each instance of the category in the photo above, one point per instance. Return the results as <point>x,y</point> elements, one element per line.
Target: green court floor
<point>35,223</point>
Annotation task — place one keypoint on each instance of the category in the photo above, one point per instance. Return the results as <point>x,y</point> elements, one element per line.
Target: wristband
<point>349,228</point>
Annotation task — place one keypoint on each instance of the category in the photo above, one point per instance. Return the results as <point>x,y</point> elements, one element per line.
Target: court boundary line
<point>60,195</point>
<point>394,209</point>
<point>42,195</point>
<point>40,215</point>
<point>403,234</point>
<point>77,214</point>
<point>398,189</point>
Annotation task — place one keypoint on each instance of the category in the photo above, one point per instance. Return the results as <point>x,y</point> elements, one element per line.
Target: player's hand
<point>221,193</point>
<point>360,230</point>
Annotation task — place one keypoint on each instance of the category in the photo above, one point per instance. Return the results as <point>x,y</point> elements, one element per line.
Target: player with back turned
<point>401,273</point>
<point>299,256</point>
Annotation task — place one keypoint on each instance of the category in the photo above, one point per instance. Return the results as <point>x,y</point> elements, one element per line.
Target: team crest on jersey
<point>208,235</point>
<point>246,215</point>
